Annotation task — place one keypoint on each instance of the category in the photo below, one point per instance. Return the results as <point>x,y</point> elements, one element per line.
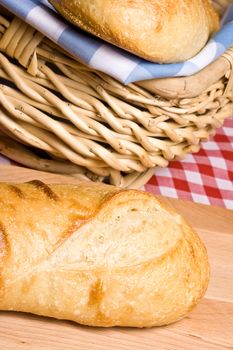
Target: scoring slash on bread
<point>157,30</point>
<point>97,255</point>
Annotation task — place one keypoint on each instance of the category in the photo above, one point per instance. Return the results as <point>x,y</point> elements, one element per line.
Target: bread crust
<point>97,255</point>
<point>161,31</point>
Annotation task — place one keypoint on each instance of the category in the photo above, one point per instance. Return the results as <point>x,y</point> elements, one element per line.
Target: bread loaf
<point>156,30</point>
<point>97,255</point>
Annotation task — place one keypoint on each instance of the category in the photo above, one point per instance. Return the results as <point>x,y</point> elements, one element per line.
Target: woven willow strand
<point>91,126</point>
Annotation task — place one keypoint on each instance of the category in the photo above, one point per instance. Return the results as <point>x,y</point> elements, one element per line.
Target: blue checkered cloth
<point>109,59</point>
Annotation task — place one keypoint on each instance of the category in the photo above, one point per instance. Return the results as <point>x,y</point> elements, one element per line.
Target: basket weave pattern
<point>86,124</point>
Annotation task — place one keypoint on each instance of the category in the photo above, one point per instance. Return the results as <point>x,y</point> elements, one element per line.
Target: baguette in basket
<point>157,30</point>
<point>97,255</point>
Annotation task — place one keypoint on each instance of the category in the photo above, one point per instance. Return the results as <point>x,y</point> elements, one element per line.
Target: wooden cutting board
<point>209,326</point>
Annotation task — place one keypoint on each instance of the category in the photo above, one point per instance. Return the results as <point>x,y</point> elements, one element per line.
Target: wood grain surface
<point>209,326</point>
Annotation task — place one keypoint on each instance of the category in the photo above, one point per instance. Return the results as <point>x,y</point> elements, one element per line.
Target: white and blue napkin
<point>109,59</point>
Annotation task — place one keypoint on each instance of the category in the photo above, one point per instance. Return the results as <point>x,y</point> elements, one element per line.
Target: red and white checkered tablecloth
<point>205,177</point>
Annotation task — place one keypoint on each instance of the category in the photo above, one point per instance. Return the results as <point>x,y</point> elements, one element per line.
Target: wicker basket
<point>58,115</point>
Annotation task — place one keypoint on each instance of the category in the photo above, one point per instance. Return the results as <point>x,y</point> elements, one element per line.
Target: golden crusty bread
<point>97,255</point>
<point>157,30</point>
